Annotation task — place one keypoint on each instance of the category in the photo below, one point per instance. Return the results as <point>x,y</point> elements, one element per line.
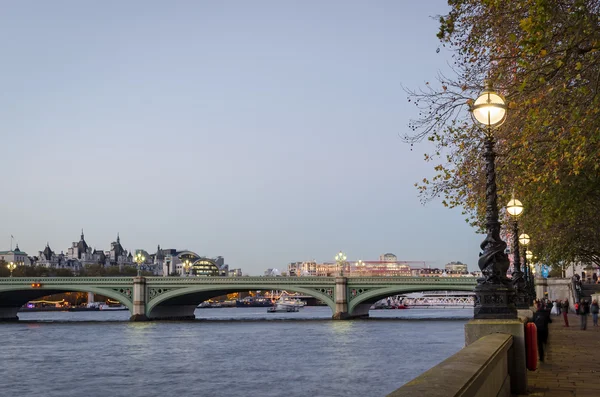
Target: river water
<point>227,352</point>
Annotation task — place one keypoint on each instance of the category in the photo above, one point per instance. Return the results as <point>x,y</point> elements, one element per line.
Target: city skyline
<point>377,258</point>
<point>265,136</point>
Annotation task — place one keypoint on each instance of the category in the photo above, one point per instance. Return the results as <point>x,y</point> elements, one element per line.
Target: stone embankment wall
<point>480,369</point>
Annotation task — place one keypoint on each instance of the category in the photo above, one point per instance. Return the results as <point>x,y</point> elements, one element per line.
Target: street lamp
<point>515,209</point>
<point>529,257</point>
<point>340,259</point>
<point>524,241</point>
<point>186,267</point>
<point>11,266</point>
<point>494,294</point>
<point>360,267</point>
<point>139,259</point>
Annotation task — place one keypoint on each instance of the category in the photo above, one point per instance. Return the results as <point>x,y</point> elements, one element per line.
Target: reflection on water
<point>80,353</point>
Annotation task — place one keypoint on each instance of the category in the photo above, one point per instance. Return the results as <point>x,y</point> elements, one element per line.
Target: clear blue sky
<point>265,131</point>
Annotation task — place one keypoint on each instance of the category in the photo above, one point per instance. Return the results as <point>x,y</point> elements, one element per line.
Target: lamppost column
<point>494,294</point>
<point>527,272</point>
<point>519,283</point>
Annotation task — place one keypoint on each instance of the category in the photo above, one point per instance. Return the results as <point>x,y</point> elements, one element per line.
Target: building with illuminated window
<point>15,256</point>
<point>188,263</point>
<point>456,267</point>
<point>388,265</point>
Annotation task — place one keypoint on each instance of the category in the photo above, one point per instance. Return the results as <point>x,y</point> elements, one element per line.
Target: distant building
<point>456,267</point>
<point>272,272</point>
<point>308,268</point>
<point>78,255</point>
<point>431,272</point>
<point>48,258</point>
<point>188,263</point>
<point>16,256</point>
<point>235,273</point>
<point>118,256</point>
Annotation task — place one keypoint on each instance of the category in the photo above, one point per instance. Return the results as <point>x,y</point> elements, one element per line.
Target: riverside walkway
<point>572,363</point>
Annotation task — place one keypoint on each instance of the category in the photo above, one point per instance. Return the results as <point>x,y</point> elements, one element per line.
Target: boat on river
<point>109,307</point>
<point>283,308</point>
<point>286,303</point>
<point>250,301</point>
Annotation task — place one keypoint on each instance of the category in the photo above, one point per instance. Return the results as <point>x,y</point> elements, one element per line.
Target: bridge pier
<point>341,299</point>
<point>341,302</point>
<point>173,313</point>
<point>138,313</point>
<point>9,314</point>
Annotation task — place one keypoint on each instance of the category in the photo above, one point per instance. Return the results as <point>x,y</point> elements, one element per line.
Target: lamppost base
<point>522,300</point>
<point>495,301</point>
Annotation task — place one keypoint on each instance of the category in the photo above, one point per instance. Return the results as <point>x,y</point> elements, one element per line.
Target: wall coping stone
<point>463,373</point>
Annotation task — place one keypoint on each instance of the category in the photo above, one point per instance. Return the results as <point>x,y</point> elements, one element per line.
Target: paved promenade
<point>572,362</point>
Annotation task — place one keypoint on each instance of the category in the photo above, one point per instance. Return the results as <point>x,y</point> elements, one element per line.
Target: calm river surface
<point>229,352</point>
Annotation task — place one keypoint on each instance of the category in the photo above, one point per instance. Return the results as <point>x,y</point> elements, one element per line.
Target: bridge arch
<point>361,304</point>
<point>189,297</point>
<point>14,296</point>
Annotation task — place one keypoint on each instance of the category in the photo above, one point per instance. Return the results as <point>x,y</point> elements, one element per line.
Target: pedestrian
<point>565,311</point>
<point>584,310</point>
<point>555,309</point>
<point>594,309</point>
<point>541,318</point>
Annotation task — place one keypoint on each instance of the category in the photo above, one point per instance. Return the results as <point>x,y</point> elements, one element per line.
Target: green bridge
<point>164,298</point>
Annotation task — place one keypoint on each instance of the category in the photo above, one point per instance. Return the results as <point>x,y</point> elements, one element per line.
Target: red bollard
<point>531,346</point>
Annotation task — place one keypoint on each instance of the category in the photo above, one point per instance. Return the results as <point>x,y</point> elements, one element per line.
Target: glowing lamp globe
<point>524,239</point>
<point>489,109</point>
<point>514,208</point>
<point>529,255</point>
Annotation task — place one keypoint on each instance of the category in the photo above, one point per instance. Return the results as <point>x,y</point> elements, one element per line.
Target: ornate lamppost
<point>340,259</point>
<point>186,267</point>
<point>494,293</point>
<point>139,260</point>
<point>524,241</point>
<point>515,210</point>
<point>529,257</point>
<point>360,266</point>
<point>11,266</point>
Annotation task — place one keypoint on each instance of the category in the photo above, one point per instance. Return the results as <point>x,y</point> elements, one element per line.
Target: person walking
<point>584,310</point>
<point>541,319</point>
<point>594,309</point>
<point>565,311</point>
<point>555,309</point>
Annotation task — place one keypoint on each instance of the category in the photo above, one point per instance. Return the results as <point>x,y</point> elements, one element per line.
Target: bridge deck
<point>570,367</point>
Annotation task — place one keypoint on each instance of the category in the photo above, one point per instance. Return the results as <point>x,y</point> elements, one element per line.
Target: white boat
<point>104,306</point>
<point>286,303</point>
<point>283,308</point>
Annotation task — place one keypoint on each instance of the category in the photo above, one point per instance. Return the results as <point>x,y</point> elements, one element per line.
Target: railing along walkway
<point>572,362</point>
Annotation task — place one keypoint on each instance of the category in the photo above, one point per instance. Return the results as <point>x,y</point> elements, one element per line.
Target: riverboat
<point>282,308</point>
<point>109,307</point>
<point>250,301</point>
<point>286,303</point>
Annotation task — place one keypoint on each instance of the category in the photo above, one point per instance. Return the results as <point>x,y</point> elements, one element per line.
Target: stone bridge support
<point>138,313</point>
<point>341,299</point>
<point>341,302</point>
<point>9,314</point>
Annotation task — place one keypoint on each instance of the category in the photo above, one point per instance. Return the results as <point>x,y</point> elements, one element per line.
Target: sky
<point>266,132</point>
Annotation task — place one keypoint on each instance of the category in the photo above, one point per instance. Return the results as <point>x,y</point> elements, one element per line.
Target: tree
<point>543,54</point>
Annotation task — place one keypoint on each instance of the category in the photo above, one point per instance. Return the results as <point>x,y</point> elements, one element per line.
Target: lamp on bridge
<point>494,293</point>
<point>515,210</point>
<point>139,259</point>
<point>340,259</point>
<point>11,266</point>
<point>524,241</point>
<point>186,267</point>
